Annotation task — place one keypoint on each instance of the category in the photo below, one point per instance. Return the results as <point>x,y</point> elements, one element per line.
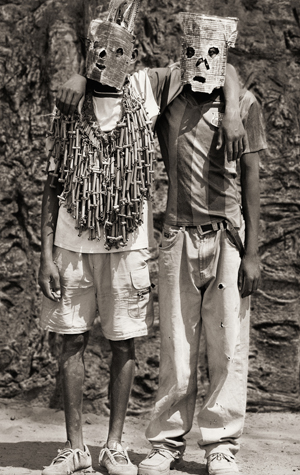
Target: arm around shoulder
<point>232,129</point>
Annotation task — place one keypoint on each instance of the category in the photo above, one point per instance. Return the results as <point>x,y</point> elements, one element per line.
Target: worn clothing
<point>198,277</point>
<point>140,238</point>
<point>198,272</point>
<point>108,110</point>
<point>117,283</point>
<point>203,185</point>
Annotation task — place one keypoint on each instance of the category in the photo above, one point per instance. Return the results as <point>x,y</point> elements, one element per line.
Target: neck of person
<point>201,97</point>
<point>102,89</point>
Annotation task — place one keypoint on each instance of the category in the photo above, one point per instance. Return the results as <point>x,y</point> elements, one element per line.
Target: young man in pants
<point>208,260</point>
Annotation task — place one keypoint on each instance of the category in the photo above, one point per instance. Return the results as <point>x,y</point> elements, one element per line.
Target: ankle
<point>76,444</point>
<point>111,443</point>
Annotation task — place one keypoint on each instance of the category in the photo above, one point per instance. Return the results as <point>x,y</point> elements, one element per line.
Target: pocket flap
<point>140,278</point>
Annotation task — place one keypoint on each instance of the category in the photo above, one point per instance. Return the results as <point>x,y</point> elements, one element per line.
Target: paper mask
<point>204,50</point>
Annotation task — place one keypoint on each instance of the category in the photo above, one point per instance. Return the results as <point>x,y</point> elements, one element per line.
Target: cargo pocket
<point>140,299</point>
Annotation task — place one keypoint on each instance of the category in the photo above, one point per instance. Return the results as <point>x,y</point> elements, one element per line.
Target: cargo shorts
<point>117,285</point>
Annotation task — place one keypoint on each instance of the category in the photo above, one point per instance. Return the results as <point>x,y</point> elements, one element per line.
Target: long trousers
<point>198,275</point>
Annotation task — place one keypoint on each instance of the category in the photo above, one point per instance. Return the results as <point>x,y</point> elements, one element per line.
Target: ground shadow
<point>31,455</point>
<point>192,468</point>
<point>34,455</point>
<point>186,467</point>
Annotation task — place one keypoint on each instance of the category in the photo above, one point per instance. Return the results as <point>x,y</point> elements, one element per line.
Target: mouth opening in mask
<point>199,79</point>
<point>100,66</point>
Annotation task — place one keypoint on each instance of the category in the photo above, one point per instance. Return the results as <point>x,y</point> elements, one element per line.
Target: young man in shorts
<point>96,228</point>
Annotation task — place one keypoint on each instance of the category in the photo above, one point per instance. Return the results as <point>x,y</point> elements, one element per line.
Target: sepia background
<point>41,45</point>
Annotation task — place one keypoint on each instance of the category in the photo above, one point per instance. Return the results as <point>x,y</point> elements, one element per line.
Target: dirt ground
<point>30,437</point>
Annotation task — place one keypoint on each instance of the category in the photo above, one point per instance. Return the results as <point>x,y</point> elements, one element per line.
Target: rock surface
<point>41,45</point>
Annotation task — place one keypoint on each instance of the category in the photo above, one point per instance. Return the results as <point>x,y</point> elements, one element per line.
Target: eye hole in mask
<point>119,52</point>
<point>213,52</point>
<point>190,52</point>
<point>102,54</point>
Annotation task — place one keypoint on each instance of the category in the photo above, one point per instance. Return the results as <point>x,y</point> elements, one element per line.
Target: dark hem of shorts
<point>128,337</point>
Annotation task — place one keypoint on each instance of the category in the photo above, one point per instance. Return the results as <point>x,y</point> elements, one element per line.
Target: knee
<point>74,344</point>
<point>122,347</point>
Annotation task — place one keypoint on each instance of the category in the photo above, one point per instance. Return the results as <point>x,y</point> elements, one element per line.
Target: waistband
<point>217,226</point>
<point>204,228</point>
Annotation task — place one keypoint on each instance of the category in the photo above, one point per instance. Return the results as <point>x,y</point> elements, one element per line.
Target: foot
<point>116,461</point>
<point>69,461</point>
<point>221,464</point>
<point>159,461</point>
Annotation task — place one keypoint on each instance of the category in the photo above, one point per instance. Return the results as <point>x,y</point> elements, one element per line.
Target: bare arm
<point>70,94</point>
<point>249,272</point>
<point>49,280</point>
<point>232,129</point>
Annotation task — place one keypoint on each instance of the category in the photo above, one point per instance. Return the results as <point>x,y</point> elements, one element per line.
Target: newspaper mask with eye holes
<point>111,44</point>
<point>205,44</point>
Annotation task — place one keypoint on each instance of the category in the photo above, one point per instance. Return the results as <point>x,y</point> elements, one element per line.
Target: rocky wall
<point>41,45</point>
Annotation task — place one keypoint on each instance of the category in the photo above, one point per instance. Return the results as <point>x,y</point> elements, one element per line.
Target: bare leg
<point>121,378</point>
<point>72,372</point>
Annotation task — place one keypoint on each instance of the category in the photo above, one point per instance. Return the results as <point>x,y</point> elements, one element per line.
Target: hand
<point>249,275</point>
<point>49,280</point>
<point>70,94</point>
<point>232,130</point>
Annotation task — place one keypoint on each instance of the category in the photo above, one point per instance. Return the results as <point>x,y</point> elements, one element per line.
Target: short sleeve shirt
<point>202,182</point>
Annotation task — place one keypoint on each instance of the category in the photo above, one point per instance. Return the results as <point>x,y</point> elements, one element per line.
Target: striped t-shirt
<point>203,185</point>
